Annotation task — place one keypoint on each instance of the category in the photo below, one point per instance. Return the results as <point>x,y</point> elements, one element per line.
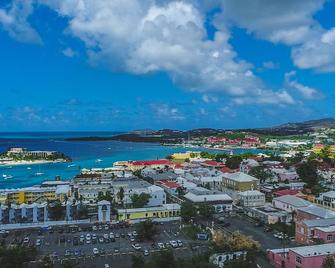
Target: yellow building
<point>240,181</point>
<point>317,149</point>
<point>164,211</point>
<point>34,194</point>
<point>184,156</point>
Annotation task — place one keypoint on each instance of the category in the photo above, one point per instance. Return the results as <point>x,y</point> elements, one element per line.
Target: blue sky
<point>121,65</point>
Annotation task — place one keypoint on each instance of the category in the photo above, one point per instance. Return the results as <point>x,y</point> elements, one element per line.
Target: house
<point>251,198</point>
<point>219,259</point>
<point>301,257</point>
<point>289,203</point>
<point>240,181</point>
<point>284,192</point>
<point>306,230</point>
<point>268,214</point>
<point>165,212</point>
<point>219,200</point>
<point>326,200</point>
<point>157,164</point>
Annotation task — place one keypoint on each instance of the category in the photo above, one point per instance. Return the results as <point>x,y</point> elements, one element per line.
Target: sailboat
<point>7,177</point>
<point>39,173</point>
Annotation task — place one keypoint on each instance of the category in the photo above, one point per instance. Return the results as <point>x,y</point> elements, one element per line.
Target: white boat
<point>72,165</point>
<point>29,168</point>
<point>7,177</point>
<point>39,174</point>
<point>99,160</point>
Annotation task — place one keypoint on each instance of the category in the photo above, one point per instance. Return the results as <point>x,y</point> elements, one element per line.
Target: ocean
<point>84,154</point>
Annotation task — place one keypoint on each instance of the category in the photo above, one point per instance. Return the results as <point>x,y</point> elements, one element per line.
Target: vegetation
<point>120,194</point>
<point>307,172</point>
<point>15,257</point>
<point>328,262</point>
<point>107,196</point>
<point>56,211</point>
<point>140,200</point>
<point>191,231</point>
<point>146,230</point>
<point>261,173</point>
<point>188,211</point>
<point>137,261</point>
<point>206,211</point>
<point>234,161</point>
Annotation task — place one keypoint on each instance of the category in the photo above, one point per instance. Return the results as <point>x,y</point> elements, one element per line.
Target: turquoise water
<point>84,155</point>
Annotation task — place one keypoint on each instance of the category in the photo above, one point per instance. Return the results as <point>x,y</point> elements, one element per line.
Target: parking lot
<point>99,244</point>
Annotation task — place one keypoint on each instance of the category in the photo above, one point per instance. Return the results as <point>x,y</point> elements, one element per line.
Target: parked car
<point>95,251</point>
<point>136,246</point>
<point>180,244</point>
<point>173,244</point>
<point>146,252</point>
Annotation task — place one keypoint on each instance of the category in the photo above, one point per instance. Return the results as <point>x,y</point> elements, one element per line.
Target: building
<point>104,211</point>
<point>301,257</point>
<point>24,213</point>
<point>157,164</point>
<point>184,156</point>
<point>313,212</point>
<point>91,192</point>
<point>305,231</point>
<point>239,181</point>
<point>219,259</point>
<point>251,198</point>
<point>269,215</point>
<point>326,200</point>
<point>289,203</point>
<point>33,194</point>
<point>164,212</point>
<point>219,200</point>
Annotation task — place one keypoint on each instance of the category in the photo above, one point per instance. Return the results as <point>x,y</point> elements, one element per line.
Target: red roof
<point>152,162</point>
<point>229,170</point>
<point>287,192</point>
<point>212,163</point>
<point>169,184</point>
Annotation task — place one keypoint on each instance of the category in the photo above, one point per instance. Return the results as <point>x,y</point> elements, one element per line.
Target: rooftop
<point>240,177</point>
<point>318,211</point>
<point>293,201</point>
<point>309,251</point>
<point>320,222</point>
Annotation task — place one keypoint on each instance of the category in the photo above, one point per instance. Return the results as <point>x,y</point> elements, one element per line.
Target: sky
<point>105,65</point>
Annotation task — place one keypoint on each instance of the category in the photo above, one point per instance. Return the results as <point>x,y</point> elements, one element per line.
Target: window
<point>329,237</point>
<point>298,259</point>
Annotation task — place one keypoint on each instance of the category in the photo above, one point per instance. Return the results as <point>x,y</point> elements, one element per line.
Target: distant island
<point>170,136</point>
<point>22,156</point>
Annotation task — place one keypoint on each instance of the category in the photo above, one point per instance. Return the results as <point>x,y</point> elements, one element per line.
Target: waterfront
<point>84,155</point>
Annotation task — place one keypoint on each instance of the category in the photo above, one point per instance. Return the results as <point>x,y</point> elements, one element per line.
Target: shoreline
<point>27,163</point>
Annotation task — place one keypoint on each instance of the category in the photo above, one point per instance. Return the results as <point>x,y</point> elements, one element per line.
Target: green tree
<point>56,211</point>
<point>180,191</point>
<point>328,262</point>
<point>260,173</point>
<point>45,262</point>
<point>234,161</point>
<point>120,194</point>
<point>187,211</point>
<point>146,230</point>
<point>307,172</point>
<point>15,257</point>
<point>206,211</point>
<point>141,200</point>
<point>137,261</point>
<point>164,259</point>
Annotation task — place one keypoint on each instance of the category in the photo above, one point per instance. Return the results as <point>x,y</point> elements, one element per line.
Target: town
<point>266,208</point>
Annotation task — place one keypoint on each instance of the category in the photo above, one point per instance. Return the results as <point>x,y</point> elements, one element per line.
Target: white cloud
<point>270,65</point>
<point>69,52</point>
<point>305,91</point>
<point>166,112</point>
<point>14,20</point>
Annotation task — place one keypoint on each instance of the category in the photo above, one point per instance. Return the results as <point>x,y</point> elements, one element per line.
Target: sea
<point>85,154</point>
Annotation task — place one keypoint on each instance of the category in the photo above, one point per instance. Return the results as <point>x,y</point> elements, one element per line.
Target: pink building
<point>327,234</point>
<point>304,257</point>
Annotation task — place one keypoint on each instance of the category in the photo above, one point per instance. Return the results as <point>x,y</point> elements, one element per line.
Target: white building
<point>219,200</point>
<point>104,211</point>
<point>289,203</point>
<point>219,259</point>
<point>251,198</point>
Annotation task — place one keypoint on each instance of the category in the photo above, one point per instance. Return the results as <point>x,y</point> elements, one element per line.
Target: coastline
<point>25,162</point>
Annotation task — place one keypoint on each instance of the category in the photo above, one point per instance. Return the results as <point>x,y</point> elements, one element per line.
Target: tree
<point>260,173</point>
<point>120,194</point>
<point>15,257</point>
<point>146,230</point>
<point>180,191</point>
<point>139,201</point>
<point>46,262</point>
<point>187,211</point>
<point>164,259</point>
<point>308,173</point>
<point>234,161</point>
<point>137,261</point>
<point>206,211</point>
<point>82,212</point>
<point>56,211</point>
<point>328,262</point>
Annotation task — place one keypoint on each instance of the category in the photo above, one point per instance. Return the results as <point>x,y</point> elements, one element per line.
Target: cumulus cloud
<point>166,112</point>
<point>14,20</point>
<point>69,52</point>
<point>306,91</point>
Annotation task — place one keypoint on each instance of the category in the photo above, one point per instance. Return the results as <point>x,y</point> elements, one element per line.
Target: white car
<point>95,251</point>
<point>38,242</point>
<point>111,235</point>
<point>134,233</point>
<point>136,246</point>
<point>146,252</point>
<point>160,245</point>
<point>94,228</point>
<point>180,244</point>
<point>106,236</point>
<point>26,240</point>
<point>173,244</point>
<point>106,265</point>
<point>88,237</point>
